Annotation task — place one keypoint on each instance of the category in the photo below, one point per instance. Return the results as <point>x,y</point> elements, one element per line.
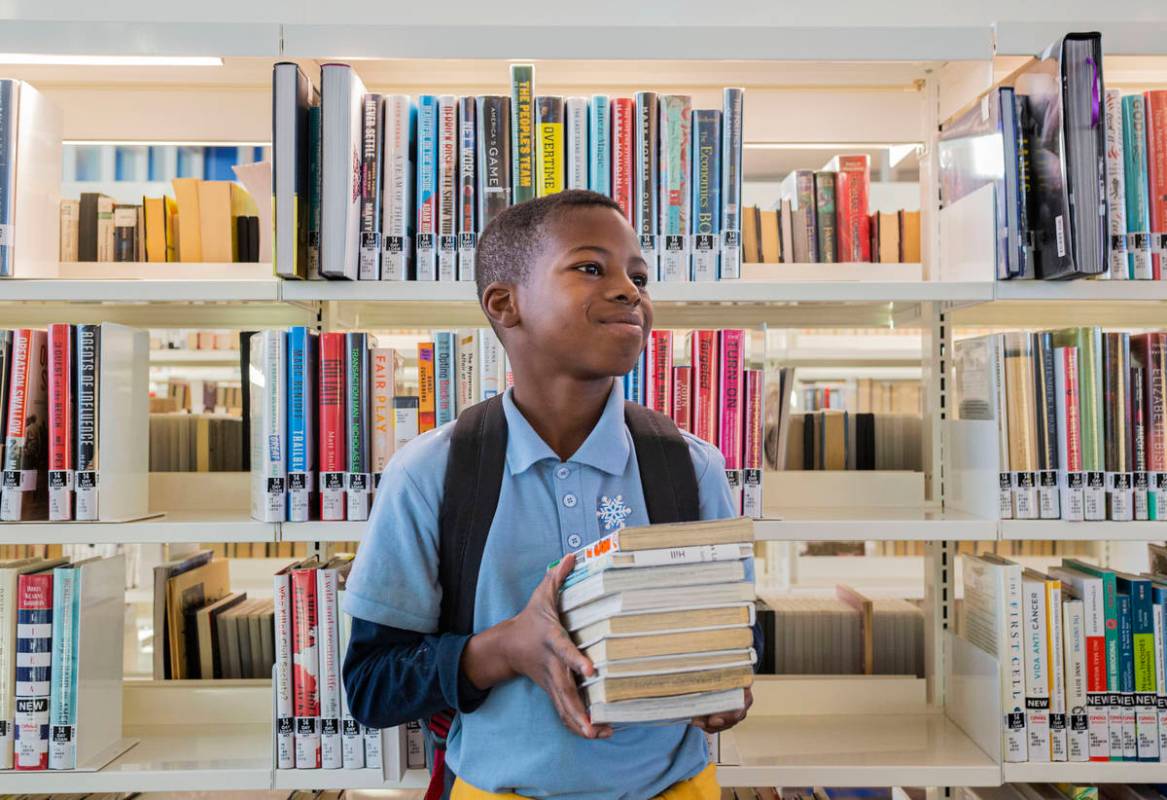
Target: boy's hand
<point>716,723</point>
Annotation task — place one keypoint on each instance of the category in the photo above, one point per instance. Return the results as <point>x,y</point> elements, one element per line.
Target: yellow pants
<point>702,786</point>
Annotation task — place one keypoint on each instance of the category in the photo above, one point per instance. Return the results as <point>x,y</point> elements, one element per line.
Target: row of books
<point>840,440</point>
<point>268,549</point>
<point>212,221</point>
<point>182,442</point>
<point>1082,653</point>
<point>664,613</point>
<point>805,228</point>
<point>1067,791</point>
<point>1079,416</point>
<point>1077,176</point>
<point>1002,548</point>
<point>186,339</point>
<point>863,395</point>
<point>380,187</point>
<point>197,396</point>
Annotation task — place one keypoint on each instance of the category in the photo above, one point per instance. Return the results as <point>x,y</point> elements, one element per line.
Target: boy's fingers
<point>562,570</point>
<point>568,654</point>
<point>568,698</point>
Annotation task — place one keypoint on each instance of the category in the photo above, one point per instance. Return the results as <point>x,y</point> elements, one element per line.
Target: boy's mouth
<point>631,321</point>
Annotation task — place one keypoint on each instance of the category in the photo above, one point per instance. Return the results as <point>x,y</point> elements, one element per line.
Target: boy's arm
<point>393,676</point>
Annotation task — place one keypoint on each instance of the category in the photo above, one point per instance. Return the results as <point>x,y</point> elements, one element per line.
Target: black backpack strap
<point>666,469</point>
<point>470,495</point>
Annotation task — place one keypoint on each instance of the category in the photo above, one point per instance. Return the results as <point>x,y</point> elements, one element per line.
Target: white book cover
<point>1057,675</point>
<point>285,712</point>
<point>352,740</point>
<point>491,380</point>
<point>674,598</point>
<point>601,584</point>
<point>447,187</point>
<point>1159,615</point>
<point>8,599</point>
<point>328,631</point>
<point>267,375</point>
<point>1036,664</point>
<point>661,709</point>
<point>341,96</point>
<point>1118,268</point>
<point>1090,590</point>
<point>576,133</point>
<point>397,189</point>
<point>1074,634</point>
<point>469,382</point>
<point>996,358</point>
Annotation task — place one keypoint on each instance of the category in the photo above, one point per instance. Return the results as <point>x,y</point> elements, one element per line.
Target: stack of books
<point>664,613</point>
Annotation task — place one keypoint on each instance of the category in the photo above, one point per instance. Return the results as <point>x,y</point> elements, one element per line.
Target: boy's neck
<point>562,410</point>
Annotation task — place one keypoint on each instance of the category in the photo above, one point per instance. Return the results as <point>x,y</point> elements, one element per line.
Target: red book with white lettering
<point>333,450</point>
<point>731,360</point>
<point>1156,102</point>
<point>61,422</point>
<point>703,357</point>
<point>752,445</point>
<point>853,225</point>
<point>658,372</point>
<point>623,124</point>
<point>305,669</point>
<point>683,397</point>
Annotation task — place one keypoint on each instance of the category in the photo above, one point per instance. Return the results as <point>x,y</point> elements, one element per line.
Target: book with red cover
<point>60,422</point>
<point>683,397</point>
<point>623,158</point>
<point>1152,351</point>
<point>426,388</point>
<point>333,450</point>
<point>703,357</point>
<point>1156,103</point>
<point>34,644</point>
<point>305,668</point>
<point>731,358</point>
<point>752,445</point>
<point>658,371</point>
<point>24,493</point>
<point>851,192</point>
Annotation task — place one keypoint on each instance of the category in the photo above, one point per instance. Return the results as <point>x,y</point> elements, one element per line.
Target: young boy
<point>562,281</point>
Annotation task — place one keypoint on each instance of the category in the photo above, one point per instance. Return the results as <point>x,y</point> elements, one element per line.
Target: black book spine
<point>494,158</point>
<point>242,247</point>
<point>87,228</point>
<point>253,239</point>
<point>87,450</point>
<point>370,242</point>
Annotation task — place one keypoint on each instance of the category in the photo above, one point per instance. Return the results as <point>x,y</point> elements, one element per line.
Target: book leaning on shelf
<point>435,170</point>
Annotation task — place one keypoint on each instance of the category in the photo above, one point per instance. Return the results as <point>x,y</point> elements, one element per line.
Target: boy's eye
<point>641,281</point>
<point>591,268</point>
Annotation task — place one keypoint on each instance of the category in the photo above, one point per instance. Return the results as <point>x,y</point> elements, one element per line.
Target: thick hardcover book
<point>447,188</point>
<point>703,355</point>
<point>328,645</point>
<point>1045,406</point>
<point>292,96</point>
<point>1138,214</point>
<point>683,397</point>
<point>852,187</point>
<point>24,495</point>
<point>426,388</point>
<point>1156,112</point>
<point>1036,640</point>
<point>824,192</point>
<point>733,107</point>
<point>303,359</point>
<point>752,445</point>
<point>523,132</point>
<point>63,694</point>
<point>1071,479</point>
<point>494,158</point>
<point>1090,393</point>
<point>285,708</point>
<point>600,145</point>
<point>1103,585</point>
<point>399,122</point>
<point>1152,350</point>
<point>86,225</point>
<point>305,669</point>
<point>624,121</point>
<point>34,644</point>
<point>105,228</point>
<point>385,364</point>
<point>341,129</point>
<point>550,146</point>
<point>87,451</point>
<point>426,197</point>
<point>1116,387</point>
<point>731,362</point>
<point>1019,359</point>
<point>125,233</point>
<point>464,379</point>
<point>675,197</point>
<point>575,131</point>
<point>333,449</point>
<point>315,186</point>
<point>467,186</point>
<point>269,464</point>
<point>404,421</point>
<point>646,185</point>
<point>1116,245</point>
<point>61,377</point>
<point>659,372</point>
<point>446,385</point>
<point>371,136</point>
<point>799,188</point>
<point>359,481</point>
<point>1126,679</point>
<point>706,184</point>
<point>1142,664</point>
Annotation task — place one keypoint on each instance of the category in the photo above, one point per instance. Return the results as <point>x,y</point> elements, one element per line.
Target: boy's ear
<point>500,303</point>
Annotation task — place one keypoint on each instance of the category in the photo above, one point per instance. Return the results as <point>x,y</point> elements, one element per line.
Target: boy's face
<point>585,302</point>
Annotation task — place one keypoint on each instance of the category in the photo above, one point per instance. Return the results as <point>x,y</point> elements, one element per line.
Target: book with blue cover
<point>1126,677</point>
<point>444,377</point>
<point>706,183</point>
<point>467,186</point>
<point>1138,211</point>
<point>732,112</point>
<point>301,376</point>
<point>63,692</point>
<point>426,245</point>
<point>1143,663</point>
<point>600,145</point>
<point>676,112</point>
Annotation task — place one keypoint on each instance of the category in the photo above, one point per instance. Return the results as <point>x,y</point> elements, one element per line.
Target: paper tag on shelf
<point>752,493</point>
<point>332,505</point>
<point>734,478</point>
<point>276,502</point>
<point>447,258</point>
<point>1098,723</point>
<point>61,495</point>
<point>369,264</point>
<point>1141,495</point>
<point>300,485</point>
<point>1072,501</point>
<point>648,252</point>
<point>731,255</point>
<point>1005,495</point>
<point>1157,503</point>
<point>1025,495</point>
<point>85,497</point>
<point>395,252</point>
<point>1048,495</point>
<point>674,261</point>
<point>358,495</point>
<point>11,501</point>
<point>466,244</point>
<point>63,746</point>
<point>1094,497</point>
<point>427,257</point>
<point>705,253</point>
<point>1119,495</point>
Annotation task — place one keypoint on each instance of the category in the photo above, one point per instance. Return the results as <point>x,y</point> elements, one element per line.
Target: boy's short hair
<point>510,242</point>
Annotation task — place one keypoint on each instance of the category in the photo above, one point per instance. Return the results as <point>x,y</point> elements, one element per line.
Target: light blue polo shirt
<point>515,742</point>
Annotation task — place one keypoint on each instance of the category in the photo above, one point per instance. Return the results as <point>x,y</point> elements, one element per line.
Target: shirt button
<point>574,540</point>
<point>570,500</point>
<point>562,473</point>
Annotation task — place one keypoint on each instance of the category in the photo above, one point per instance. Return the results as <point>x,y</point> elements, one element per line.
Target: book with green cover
<point>1110,612</point>
<point>1088,340</point>
<point>1138,214</point>
<point>824,187</point>
<point>523,132</point>
<point>1143,654</point>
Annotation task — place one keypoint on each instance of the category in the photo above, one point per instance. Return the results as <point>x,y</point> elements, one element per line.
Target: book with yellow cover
<point>770,247</point>
<point>910,237</point>
<point>426,390</point>
<point>186,593</point>
<point>1021,412</point>
<point>159,234</point>
<point>218,205</point>
<point>190,239</point>
<point>549,146</point>
<point>667,644</point>
<point>608,690</point>
<point>668,621</point>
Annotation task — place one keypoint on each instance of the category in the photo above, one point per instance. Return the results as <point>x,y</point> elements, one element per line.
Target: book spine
<point>551,147</point>
<point>1045,405</point>
<point>624,156</point>
<point>445,384</point>
<point>369,268</point>
<point>328,645</point>
<point>752,445</point>
<point>683,397</point>
<point>1019,359</point>
<point>125,220</point>
<point>1013,666</point>
<point>659,370</point>
<point>494,158</point>
<point>70,229</point>
<point>824,190</point>
<point>285,710</point>
<point>706,183</point>
<point>268,425</point>
<point>1070,477</point>
<point>1077,723</point>
<point>733,102</point>
<point>1090,393</point>
<point>1055,645</point>
<point>404,421</point>
<point>20,372</point>
<point>808,212</point>
<point>397,186</point>
<point>467,186</point>
<point>426,389</point>
<point>1139,437</point>
<point>426,254</point>
<point>523,132</point>
<point>24,495</point>
<point>341,98</point>
<point>447,188</point>
<point>414,746</point>
<point>1037,705</point>
<point>373,748</point>
<point>1156,110</point>
<point>301,409</point>
<point>731,359</point>
<point>9,92</point>
<point>490,363</point>
<point>289,146</point>
<point>1097,695</point>
<point>1143,653</point>
<point>851,185</point>
<point>634,388</point>
<point>646,181</point>
<point>1118,258</point>
<point>1126,677</point>
<point>87,452</point>
<point>1004,475</point>
<point>333,429</point>
<point>306,669</point>
<point>576,134</point>
<point>1138,215</point>
<point>464,354</point>
<point>62,737</point>
<point>359,483</point>
<point>105,229</point>
<point>1117,419</point>
<point>384,380</point>
<point>706,397</point>
<point>34,645</point>
<point>352,740</point>
<point>600,145</point>
<point>1155,359</point>
<point>60,340</point>
<point>675,197</point>
<point>1159,620</point>
<point>315,173</point>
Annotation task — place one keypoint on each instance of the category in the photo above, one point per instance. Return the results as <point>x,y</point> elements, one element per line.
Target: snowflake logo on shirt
<point>612,512</point>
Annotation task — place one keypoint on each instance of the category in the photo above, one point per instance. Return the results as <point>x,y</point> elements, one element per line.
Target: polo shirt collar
<point>605,449</point>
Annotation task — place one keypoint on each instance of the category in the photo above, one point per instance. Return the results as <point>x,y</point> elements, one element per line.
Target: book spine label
<point>333,432</point>
<point>285,710</point>
<point>706,397</point>
<point>359,484</point>
<point>576,132</point>
<point>63,697</point>
<point>444,380</point>
<point>646,183</point>
<point>426,388</point>
<point>1118,259</point>
<point>1077,723</point>
<point>60,422</point>
<point>427,188</point>
<point>494,158</point>
<point>683,397</point>
<point>675,196</point>
<point>397,183</point>
<point>624,156</point>
<point>328,643</point>
<point>34,653</point>
<point>447,190</point>
<point>404,421</point>
<point>414,746</point>
<point>490,361</point>
<point>301,405</point>
<point>369,268</point>
<point>659,367</point>
<point>551,149</point>
<point>1037,703</point>
<point>88,381</point>
<point>467,186</point>
<point>733,102</point>
<point>851,187</point>
<point>463,371</point>
<point>731,359</point>
<point>600,145</point>
<point>523,132</point>
<point>752,445</point>
<point>384,380</point>
<point>1156,112</point>
<point>1059,750</point>
<point>305,669</point>
<point>706,183</point>
<point>1138,219</point>
<point>373,747</point>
